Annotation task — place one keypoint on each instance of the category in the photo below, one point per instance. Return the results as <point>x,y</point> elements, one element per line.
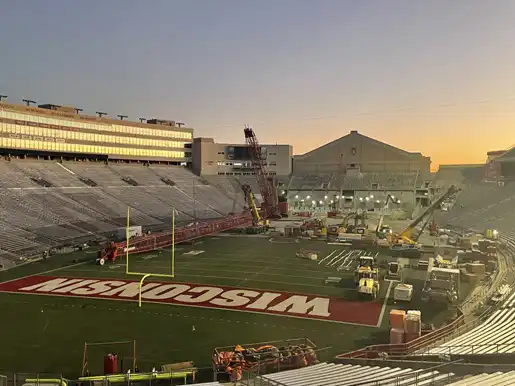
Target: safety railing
<point>476,300</point>
<point>256,376</point>
<point>403,349</point>
<point>471,349</point>
<point>183,376</point>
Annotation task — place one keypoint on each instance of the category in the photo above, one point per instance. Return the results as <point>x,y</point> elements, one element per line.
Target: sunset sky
<point>431,76</point>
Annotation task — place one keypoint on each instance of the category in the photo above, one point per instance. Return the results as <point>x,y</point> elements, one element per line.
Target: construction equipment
<point>442,281</point>
<point>360,223</point>
<point>403,292</point>
<point>346,231</point>
<point>307,254</point>
<point>259,224</point>
<point>405,238</point>
<point>491,234</point>
<point>314,227</point>
<point>394,271</point>
<point>270,204</point>
<point>155,241</point>
<point>364,261</point>
<point>368,283</point>
<point>383,230</point>
<point>433,228</point>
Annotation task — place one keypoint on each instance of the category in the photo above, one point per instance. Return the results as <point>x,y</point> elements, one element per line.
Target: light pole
<point>28,102</point>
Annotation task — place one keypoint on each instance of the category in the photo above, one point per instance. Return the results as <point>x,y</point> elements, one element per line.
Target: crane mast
<point>270,201</point>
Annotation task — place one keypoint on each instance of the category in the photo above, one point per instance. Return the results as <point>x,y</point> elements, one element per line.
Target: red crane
<point>270,202</point>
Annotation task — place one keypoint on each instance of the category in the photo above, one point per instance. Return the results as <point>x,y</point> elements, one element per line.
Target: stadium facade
<point>61,131</point>
<point>358,169</point>
<point>223,159</point>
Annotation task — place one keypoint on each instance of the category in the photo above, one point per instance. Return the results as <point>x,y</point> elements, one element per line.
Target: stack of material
<point>397,322</point>
<point>477,269</point>
<point>413,325</point>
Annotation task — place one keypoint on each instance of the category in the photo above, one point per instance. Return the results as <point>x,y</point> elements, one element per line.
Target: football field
<point>227,290</point>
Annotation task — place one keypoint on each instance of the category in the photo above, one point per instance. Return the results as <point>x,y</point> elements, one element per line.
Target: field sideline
<point>48,326</point>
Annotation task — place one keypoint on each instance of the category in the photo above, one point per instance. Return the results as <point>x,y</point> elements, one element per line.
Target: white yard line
<point>48,271</point>
<point>328,256</point>
<point>383,309</point>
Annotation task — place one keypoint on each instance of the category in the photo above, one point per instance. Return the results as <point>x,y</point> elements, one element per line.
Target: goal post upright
<point>127,236</point>
<point>145,275</point>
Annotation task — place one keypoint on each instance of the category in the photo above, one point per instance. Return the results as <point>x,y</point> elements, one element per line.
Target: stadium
<point>135,252</point>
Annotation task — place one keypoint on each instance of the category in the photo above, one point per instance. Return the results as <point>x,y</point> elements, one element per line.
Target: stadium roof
<point>355,135</point>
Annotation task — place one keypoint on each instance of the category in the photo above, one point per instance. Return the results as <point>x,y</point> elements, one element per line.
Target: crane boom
<point>405,235</point>
<point>270,201</point>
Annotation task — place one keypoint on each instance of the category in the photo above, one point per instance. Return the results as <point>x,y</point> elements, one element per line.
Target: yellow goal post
<point>145,275</point>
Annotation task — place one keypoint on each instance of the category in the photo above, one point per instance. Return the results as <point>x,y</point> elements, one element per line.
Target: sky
<point>431,76</point>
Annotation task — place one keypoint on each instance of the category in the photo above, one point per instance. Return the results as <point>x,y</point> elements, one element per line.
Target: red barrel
<point>283,208</point>
<point>110,364</point>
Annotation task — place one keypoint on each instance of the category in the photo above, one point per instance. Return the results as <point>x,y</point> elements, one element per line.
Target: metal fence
<point>140,379</point>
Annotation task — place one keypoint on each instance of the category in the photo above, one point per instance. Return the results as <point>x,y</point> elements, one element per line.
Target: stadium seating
<point>339,374</point>
<point>46,204</point>
<point>493,379</point>
<point>364,181</point>
<point>484,206</point>
<point>495,335</point>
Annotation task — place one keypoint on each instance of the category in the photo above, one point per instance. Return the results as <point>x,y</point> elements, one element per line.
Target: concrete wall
<point>210,158</point>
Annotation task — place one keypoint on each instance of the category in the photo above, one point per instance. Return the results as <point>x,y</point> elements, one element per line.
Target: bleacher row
<point>332,181</point>
<point>331,374</point>
<point>34,217</point>
<point>485,205</point>
<point>480,207</point>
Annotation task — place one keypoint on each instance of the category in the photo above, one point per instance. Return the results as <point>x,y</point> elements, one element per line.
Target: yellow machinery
<point>365,262</point>
<point>491,234</point>
<point>258,223</point>
<point>406,237</point>
<point>368,282</point>
<point>317,226</point>
<point>383,230</point>
<point>359,226</point>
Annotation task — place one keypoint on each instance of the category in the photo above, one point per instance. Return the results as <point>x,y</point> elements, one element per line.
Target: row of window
<point>243,164</point>
<point>244,174</point>
<point>14,143</point>
<point>77,135</point>
<point>97,126</point>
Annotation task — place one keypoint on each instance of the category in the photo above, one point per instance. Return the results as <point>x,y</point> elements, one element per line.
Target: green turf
<point>46,334</point>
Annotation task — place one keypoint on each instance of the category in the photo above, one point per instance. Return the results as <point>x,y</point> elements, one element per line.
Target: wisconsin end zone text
<point>195,295</point>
